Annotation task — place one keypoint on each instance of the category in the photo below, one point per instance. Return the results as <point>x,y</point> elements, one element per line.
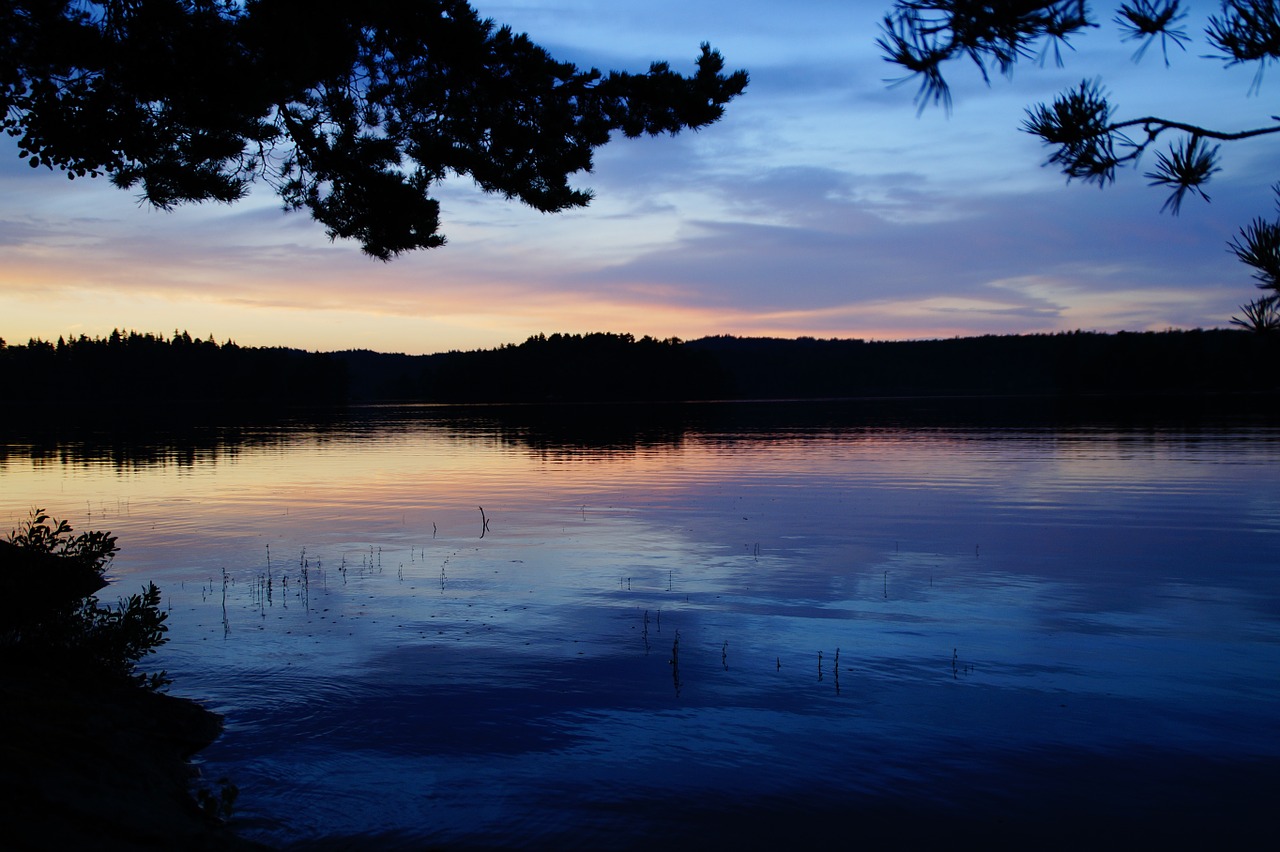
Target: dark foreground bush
<point>95,756</point>
<point>49,616</point>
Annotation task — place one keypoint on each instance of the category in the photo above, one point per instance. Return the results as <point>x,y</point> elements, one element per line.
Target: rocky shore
<point>91,756</point>
<point>103,766</point>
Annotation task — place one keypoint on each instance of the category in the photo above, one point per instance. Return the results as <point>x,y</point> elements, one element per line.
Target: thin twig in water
<point>675,663</point>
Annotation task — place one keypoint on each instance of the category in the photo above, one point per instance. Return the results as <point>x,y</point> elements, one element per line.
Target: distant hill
<point>611,367</point>
<point>598,367</point>
<point>1067,364</point>
<point>154,373</point>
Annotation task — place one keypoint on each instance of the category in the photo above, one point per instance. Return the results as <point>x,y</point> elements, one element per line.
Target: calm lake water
<point>731,626</point>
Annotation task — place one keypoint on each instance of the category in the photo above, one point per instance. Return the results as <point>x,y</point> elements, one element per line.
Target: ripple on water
<point>1021,618</point>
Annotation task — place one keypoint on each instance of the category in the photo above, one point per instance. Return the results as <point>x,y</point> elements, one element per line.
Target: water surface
<point>756,627</point>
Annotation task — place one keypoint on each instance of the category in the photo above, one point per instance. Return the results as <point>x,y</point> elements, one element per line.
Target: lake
<point>739,626</point>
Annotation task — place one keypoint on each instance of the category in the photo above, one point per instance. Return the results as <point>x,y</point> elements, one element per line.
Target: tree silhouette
<point>354,111</point>
<point>1088,142</point>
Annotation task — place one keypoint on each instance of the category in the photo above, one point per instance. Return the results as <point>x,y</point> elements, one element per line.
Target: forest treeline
<point>135,375</point>
<point>618,367</point>
<point>148,372</point>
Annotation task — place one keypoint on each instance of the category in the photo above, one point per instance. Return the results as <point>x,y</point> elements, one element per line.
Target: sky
<point>823,204</point>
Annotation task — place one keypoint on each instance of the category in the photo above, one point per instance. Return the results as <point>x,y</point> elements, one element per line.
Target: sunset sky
<point>822,205</point>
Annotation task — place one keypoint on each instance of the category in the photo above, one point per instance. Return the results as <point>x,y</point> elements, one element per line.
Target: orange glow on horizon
<point>463,325</point>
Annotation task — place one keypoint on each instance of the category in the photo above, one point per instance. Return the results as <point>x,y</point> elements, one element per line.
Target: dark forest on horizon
<point>131,371</point>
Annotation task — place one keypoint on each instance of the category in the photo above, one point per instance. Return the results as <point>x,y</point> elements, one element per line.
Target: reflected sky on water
<point>703,626</point>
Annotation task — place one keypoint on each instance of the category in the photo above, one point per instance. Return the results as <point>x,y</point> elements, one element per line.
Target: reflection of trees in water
<point>565,432</point>
<point>130,449</point>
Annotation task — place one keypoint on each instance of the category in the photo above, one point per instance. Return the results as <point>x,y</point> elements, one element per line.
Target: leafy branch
<point>50,616</point>
<point>1258,246</point>
<point>354,115</point>
<point>1090,146</point>
<point>921,35</point>
<point>1088,142</point>
<point>1149,20</point>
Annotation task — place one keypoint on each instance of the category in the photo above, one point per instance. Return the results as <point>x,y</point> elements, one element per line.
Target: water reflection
<point>758,629</point>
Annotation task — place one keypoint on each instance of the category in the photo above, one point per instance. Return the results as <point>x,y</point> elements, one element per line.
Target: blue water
<point>707,632</point>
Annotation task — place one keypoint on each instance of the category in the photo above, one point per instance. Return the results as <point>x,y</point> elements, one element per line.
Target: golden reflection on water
<point>436,473</point>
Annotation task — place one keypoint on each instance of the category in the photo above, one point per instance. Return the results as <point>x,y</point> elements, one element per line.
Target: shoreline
<point>91,764</point>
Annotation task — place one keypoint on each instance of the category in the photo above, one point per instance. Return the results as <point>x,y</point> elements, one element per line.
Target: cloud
<point>812,239</point>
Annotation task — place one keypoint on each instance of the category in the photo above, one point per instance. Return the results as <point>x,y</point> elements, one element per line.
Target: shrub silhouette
<point>50,617</point>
